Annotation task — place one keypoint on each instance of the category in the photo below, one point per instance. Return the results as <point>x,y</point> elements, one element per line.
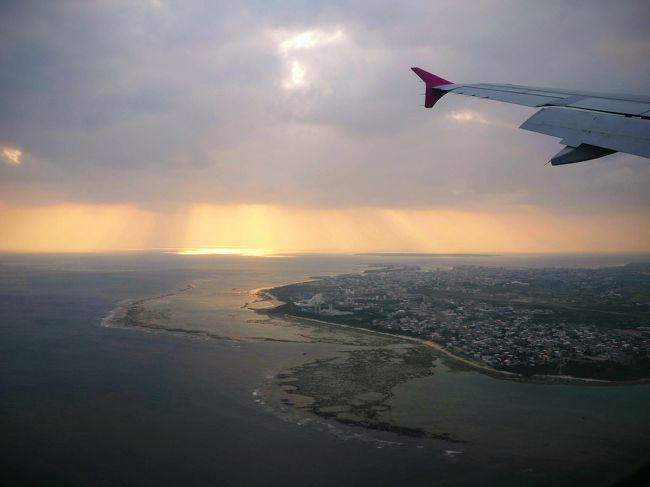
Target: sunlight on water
<point>219,251</point>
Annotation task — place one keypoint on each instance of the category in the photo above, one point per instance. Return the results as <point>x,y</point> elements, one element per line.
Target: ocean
<point>87,402</point>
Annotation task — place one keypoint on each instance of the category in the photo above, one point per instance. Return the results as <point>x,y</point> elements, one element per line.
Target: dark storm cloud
<point>154,101</point>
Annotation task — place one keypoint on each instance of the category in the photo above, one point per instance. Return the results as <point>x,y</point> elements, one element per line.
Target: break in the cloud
<point>466,116</point>
<point>11,155</point>
<point>166,104</point>
<point>292,45</point>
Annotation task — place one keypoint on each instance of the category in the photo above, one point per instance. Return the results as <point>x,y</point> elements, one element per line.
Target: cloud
<point>300,104</point>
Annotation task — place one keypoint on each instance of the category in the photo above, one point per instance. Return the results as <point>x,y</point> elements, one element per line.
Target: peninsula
<point>554,325</point>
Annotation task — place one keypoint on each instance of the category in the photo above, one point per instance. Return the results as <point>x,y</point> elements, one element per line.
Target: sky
<point>298,125</point>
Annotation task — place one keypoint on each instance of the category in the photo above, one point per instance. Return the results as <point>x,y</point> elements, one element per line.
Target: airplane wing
<point>590,124</point>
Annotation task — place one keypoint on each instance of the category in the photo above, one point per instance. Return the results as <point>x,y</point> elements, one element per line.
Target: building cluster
<point>500,316</point>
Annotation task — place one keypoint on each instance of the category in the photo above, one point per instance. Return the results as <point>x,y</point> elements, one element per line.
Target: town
<point>577,322</point>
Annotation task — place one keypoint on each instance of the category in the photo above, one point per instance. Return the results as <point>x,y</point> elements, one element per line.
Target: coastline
<point>267,296</point>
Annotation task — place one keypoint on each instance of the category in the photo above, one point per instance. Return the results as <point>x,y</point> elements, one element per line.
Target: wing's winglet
<point>431,81</point>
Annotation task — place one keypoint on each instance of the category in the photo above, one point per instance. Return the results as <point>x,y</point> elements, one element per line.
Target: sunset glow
<point>256,230</point>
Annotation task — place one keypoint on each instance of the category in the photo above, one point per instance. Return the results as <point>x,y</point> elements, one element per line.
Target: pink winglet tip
<point>430,79</point>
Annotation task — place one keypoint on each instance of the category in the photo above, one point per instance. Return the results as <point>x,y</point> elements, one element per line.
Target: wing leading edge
<point>590,124</point>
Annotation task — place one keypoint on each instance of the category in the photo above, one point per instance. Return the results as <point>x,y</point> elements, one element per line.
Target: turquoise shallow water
<point>84,404</point>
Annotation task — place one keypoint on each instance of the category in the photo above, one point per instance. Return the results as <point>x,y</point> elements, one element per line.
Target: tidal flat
<point>355,387</point>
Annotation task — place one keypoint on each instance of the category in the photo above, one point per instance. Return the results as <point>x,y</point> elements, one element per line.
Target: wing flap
<point>575,127</point>
<point>612,106</point>
<point>584,152</point>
